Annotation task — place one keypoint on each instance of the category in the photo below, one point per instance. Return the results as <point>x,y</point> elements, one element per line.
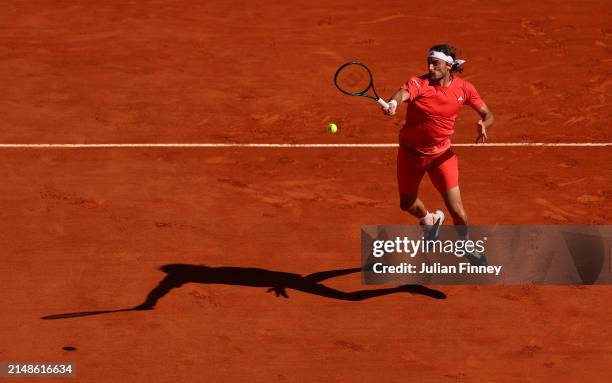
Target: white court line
<point>280,145</point>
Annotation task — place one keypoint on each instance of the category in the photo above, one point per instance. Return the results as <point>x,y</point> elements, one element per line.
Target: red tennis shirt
<point>432,110</point>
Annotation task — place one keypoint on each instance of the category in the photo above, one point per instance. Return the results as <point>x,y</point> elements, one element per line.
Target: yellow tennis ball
<point>332,128</point>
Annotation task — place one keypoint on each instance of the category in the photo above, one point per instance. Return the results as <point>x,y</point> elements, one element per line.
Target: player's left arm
<point>487,119</point>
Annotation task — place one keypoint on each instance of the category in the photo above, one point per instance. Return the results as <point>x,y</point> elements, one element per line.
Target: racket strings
<point>354,79</point>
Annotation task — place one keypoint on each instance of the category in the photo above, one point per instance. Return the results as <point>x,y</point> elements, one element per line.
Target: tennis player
<point>433,102</point>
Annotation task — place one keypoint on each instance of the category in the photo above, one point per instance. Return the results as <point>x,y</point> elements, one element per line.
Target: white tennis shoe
<point>431,232</point>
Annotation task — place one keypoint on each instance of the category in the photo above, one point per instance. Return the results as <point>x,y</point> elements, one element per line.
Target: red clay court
<point>87,229</point>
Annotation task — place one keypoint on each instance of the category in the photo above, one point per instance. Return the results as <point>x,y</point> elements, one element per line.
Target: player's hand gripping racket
<point>355,79</point>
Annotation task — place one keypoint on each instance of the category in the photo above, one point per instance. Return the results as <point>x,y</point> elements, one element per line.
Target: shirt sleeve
<point>472,98</point>
<point>414,87</point>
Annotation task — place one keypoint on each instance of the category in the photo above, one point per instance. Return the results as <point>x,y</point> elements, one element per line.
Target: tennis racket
<point>355,79</point>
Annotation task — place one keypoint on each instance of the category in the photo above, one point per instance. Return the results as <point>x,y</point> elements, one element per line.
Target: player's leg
<point>444,173</point>
<point>410,203</point>
<point>411,168</point>
<point>452,199</point>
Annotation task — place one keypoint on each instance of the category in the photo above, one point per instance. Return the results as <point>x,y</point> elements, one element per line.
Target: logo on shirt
<point>460,98</point>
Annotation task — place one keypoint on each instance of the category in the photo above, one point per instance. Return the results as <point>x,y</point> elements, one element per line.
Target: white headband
<point>445,58</point>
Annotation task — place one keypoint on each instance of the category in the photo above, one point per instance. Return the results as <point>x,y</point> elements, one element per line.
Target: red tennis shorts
<point>443,170</point>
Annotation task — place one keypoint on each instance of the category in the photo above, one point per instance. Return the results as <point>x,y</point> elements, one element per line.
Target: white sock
<point>428,219</point>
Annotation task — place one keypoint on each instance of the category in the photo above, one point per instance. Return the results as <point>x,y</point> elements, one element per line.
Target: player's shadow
<point>276,281</point>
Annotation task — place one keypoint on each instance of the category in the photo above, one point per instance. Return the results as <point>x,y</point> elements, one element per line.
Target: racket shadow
<point>277,282</point>
<point>83,314</point>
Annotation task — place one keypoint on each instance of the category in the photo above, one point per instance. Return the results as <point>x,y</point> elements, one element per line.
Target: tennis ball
<point>332,128</point>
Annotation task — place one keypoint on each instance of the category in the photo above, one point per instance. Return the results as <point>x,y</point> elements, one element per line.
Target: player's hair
<point>451,51</point>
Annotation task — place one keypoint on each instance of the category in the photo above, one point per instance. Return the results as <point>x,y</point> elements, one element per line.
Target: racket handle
<point>383,103</point>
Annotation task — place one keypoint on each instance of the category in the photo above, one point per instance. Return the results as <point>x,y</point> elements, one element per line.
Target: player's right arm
<point>400,96</point>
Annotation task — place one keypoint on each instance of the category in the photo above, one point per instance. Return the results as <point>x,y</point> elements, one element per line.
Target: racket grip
<point>383,103</point>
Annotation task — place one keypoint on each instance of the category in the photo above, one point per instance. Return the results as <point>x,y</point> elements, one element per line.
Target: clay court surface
<point>87,229</point>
